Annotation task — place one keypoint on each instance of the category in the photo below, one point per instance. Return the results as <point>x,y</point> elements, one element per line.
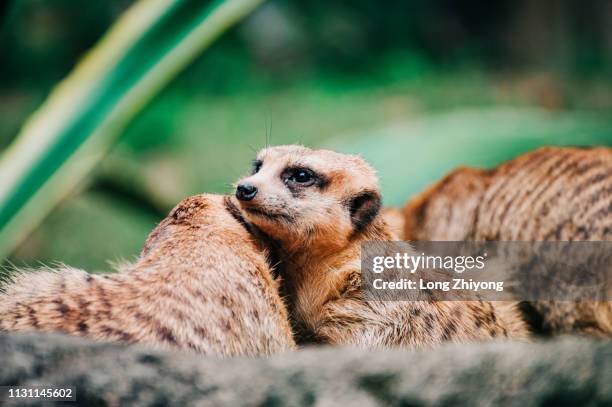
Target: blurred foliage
<point>481,137</point>
<point>41,40</point>
<point>90,219</point>
<point>68,136</point>
<point>438,82</point>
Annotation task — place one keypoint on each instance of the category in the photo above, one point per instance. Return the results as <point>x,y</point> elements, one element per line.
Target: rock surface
<point>564,372</point>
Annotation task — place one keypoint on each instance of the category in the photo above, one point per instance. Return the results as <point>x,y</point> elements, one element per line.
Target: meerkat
<point>318,206</point>
<point>394,218</point>
<point>551,194</point>
<point>201,283</point>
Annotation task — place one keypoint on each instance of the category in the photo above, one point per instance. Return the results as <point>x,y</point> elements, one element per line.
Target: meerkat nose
<point>246,192</point>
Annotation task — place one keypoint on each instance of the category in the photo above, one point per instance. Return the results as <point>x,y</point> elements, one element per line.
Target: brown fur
<point>201,283</point>
<point>394,218</point>
<point>550,194</point>
<point>318,230</point>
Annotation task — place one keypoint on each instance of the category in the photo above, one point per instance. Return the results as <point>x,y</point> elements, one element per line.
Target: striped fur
<point>551,194</point>
<point>200,284</point>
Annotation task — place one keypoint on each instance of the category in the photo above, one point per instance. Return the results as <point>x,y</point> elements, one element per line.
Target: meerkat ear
<point>363,208</point>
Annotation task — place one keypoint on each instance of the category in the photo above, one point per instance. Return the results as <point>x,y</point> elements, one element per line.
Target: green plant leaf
<point>63,141</point>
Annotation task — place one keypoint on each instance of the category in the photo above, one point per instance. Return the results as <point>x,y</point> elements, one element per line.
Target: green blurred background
<point>416,86</point>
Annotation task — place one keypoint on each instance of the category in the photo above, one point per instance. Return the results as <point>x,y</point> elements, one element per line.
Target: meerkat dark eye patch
<point>256,166</point>
<point>299,177</point>
<point>304,177</point>
<point>363,208</point>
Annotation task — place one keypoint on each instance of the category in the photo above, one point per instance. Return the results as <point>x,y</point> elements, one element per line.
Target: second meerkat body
<point>319,206</point>
<point>201,283</point>
<point>551,194</point>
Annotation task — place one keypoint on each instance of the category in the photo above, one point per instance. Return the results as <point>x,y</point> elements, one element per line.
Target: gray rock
<point>564,372</point>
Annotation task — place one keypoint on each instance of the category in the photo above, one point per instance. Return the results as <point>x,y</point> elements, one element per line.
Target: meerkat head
<point>302,196</point>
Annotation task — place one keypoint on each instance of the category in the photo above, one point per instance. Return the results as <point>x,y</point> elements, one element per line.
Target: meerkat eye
<point>301,176</point>
<point>256,166</point>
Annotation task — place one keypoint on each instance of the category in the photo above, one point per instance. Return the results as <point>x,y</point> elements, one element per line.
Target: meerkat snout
<point>246,191</point>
